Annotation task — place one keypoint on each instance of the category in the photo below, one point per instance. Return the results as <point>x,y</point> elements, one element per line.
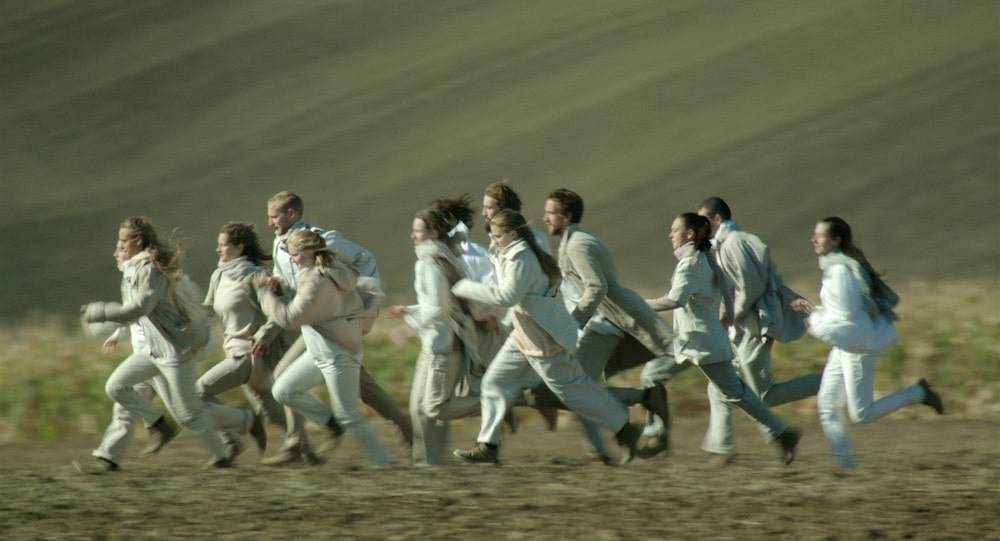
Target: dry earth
<point>921,477</point>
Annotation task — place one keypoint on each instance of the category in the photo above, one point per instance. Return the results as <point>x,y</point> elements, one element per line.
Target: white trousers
<point>255,379</point>
<point>512,371</point>
<point>118,435</point>
<point>340,370</point>
<point>753,361</point>
<point>179,392</point>
<point>433,403</point>
<point>849,378</point>
<point>726,389</point>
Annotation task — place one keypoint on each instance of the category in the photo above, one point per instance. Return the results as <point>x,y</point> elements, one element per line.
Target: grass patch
<point>52,382</point>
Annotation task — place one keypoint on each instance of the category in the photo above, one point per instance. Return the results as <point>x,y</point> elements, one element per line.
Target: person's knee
<point>115,390</point>
<point>860,415</point>
<point>281,393</point>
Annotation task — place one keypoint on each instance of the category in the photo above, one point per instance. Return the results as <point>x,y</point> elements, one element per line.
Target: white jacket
<point>521,281</point>
<point>431,316</point>
<point>842,319</point>
<point>171,333</point>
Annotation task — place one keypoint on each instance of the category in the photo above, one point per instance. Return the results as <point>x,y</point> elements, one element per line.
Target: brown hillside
<point>194,113</point>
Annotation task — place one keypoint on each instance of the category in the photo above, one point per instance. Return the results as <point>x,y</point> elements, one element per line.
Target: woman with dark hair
<point>252,345</point>
<point>696,292</point>
<point>329,307</point>
<point>439,366</point>
<point>175,326</point>
<point>856,318</point>
<point>537,350</point>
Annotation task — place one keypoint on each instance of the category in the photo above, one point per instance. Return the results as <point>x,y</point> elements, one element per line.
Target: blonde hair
<point>287,200</point>
<point>166,255</point>
<point>307,239</point>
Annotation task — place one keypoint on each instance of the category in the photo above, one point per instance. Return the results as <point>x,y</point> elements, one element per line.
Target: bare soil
<point>920,477</point>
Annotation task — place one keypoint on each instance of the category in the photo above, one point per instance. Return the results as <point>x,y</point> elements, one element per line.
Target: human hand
<point>109,345</point>
<point>395,312</point>
<point>803,306</point>
<point>258,349</point>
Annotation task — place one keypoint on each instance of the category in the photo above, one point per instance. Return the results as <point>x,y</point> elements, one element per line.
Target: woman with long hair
<point>433,400</point>
<point>696,292</point>
<point>333,315</point>
<point>537,350</point>
<point>175,326</point>
<point>856,318</point>
<point>252,345</point>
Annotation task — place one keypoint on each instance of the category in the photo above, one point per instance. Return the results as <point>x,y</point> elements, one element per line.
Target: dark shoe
<point>720,460</point>
<point>312,458</point>
<point>482,453</point>
<point>258,432</point>
<point>160,434</point>
<point>789,440</point>
<point>598,459</point>
<point>106,465</point>
<point>511,421</point>
<point>234,448</point>
<point>628,440</point>
<point>221,464</point>
<point>654,445</point>
<point>656,402</point>
<point>335,431</point>
<point>288,455</point>
<point>101,465</point>
<point>931,398</point>
<point>551,417</point>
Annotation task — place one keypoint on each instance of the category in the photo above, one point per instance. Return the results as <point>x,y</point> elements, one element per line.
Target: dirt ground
<point>920,477</point>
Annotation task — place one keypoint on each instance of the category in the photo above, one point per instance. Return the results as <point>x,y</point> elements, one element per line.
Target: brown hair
<point>166,255</point>
<point>569,202</point>
<point>244,234</point>
<point>508,220</point>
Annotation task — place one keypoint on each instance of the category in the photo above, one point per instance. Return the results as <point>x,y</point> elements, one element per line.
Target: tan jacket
<point>328,301</point>
<point>586,263</point>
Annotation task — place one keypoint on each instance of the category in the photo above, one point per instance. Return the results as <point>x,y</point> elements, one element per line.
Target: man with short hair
<point>757,322</point>
<point>284,215</point>
<point>619,330</point>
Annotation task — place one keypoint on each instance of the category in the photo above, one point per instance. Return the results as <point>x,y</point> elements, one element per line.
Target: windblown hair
<point>508,220</point>
<point>702,230</point>
<point>569,202</point>
<point>439,222</point>
<point>287,200</point>
<point>307,239</point>
<point>245,235</point>
<point>460,207</point>
<point>505,196</point>
<point>715,205</point>
<point>839,229</point>
<point>166,255</point>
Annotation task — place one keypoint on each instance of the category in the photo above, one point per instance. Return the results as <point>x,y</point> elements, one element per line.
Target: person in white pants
<point>433,400</point>
<point>696,293</point>
<point>855,317</point>
<point>537,349</point>
<point>757,322</point>
<point>249,361</point>
<point>176,329</point>
<point>118,435</point>
<point>333,316</point>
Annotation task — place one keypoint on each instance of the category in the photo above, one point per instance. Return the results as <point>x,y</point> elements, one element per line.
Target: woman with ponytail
<point>161,300</point>
<point>537,350</point>
<point>333,315</point>
<point>856,318</point>
<point>697,289</point>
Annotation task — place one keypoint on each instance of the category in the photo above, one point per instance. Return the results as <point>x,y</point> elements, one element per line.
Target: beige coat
<point>328,301</point>
<point>586,263</point>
